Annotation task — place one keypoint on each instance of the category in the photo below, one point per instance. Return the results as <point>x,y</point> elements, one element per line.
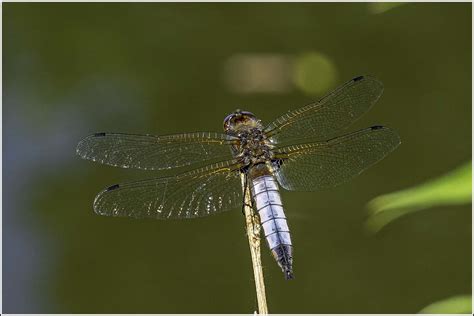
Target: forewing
<point>197,193</point>
<point>323,119</point>
<point>150,152</point>
<point>319,165</point>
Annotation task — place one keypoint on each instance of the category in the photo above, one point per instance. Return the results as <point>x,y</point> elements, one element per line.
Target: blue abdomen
<point>267,202</point>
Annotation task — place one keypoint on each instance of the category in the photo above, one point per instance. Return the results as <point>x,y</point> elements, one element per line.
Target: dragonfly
<point>302,150</point>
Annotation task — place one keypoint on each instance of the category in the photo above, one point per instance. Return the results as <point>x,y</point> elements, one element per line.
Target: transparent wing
<point>319,165</point>
<point>197,193</point>
<point>321,120</point>
<point>150,152</point>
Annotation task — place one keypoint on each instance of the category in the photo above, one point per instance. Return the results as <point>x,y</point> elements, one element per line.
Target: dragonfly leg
<point>245,204</point>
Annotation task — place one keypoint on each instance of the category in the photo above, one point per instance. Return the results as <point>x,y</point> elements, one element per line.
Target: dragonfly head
<point>240,121</point>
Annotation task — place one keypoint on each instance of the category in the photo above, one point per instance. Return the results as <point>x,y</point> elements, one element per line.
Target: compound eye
<point>247,113</point>
<point>228,117</point>
<point>227,121</point>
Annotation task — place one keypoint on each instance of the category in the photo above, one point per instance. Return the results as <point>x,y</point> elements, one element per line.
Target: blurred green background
<point>73,69</point>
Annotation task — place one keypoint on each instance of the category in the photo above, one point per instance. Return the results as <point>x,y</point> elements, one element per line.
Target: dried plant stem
<point>253,232</point>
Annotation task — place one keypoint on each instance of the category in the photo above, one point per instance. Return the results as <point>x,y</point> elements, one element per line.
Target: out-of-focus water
<point>73,69</point>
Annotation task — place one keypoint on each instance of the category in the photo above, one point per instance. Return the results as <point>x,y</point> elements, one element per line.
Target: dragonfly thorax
<point>253,147</point>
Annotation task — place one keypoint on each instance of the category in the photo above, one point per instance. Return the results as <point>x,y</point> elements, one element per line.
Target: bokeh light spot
<point>314,73</point>
<point>381,7</point>
<point>258,73</point>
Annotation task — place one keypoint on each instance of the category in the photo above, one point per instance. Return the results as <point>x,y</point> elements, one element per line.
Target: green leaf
<point>460,304</point>
<point>450,189</point>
